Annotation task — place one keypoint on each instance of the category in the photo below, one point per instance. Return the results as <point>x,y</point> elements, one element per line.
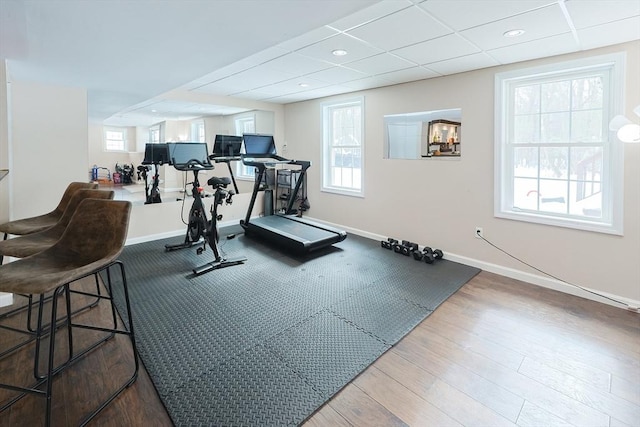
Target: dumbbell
<point>408,248</point>
<point>405,247</point>
<point>388,244</point>
<point>429,255</point>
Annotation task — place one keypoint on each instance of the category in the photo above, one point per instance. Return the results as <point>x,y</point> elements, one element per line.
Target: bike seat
<point>217,182</point>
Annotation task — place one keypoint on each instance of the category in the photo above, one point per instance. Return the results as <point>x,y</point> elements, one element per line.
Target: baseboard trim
<point>534,279</point>
<point>174,233</point>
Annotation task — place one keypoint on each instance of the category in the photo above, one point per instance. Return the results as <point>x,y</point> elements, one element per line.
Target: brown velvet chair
<point>91,243</point>
<point>42,222</point>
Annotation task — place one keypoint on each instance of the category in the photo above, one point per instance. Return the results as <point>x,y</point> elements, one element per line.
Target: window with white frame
<point>197,131</point>
<point>343,147</point>
<point>245,125</point>
<point>115,139</point>
<point>154,134</point>
<point>556,162</point>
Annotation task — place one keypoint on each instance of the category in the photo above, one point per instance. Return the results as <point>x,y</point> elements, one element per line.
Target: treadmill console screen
<point>227,146</point>
<point>255,143</point>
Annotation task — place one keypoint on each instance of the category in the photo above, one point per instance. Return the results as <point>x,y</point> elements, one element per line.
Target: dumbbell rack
<point>407,248</point>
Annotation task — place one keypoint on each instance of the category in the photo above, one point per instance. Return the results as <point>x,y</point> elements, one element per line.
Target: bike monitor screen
<point>259,144</point>
<point>157,154</point>
<point>182,152</point>
<point>227,146</point>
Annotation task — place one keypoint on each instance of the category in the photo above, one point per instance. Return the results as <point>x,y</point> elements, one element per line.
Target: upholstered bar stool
<point>91,243</point>
<point>38,223</point>
<point>30,244</point>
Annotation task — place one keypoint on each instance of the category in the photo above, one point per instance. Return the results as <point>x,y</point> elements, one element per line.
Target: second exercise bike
<point>200,229</point>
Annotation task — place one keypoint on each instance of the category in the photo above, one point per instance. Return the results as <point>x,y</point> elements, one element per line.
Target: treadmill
<point>297,234</point>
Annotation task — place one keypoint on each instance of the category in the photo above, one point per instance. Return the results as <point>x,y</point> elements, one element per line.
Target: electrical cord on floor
<point>552,276</point>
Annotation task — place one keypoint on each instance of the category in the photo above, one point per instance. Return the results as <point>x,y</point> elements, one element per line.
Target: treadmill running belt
<point>294,233</point>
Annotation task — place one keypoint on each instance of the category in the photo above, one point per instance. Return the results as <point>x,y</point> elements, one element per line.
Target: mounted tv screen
<point>227,146</point>
<point>255,143</point>
<point>182,152</point>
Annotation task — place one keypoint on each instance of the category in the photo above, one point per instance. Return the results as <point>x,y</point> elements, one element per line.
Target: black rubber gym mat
<point>268,342</point>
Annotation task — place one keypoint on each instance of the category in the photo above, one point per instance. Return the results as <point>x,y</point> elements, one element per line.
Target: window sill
<point>597,227</point>
<point>343,192</point>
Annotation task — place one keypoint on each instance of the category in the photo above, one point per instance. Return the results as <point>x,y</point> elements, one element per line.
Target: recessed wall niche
<point>433,134</point>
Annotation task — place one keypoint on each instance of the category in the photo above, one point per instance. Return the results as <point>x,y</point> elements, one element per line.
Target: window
<point>154,134</point>
<point>245,125</point>
<point>115,139</point>
<point>197,131</point>
<point>556,162</point>
<point>342,148</point>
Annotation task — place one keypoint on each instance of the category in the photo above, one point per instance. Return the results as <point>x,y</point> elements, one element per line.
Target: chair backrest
<point>78,197</point>
<point>96,232</point>
<point>72,188</point>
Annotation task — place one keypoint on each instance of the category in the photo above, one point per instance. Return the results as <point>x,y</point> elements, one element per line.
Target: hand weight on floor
<point>430,255</point>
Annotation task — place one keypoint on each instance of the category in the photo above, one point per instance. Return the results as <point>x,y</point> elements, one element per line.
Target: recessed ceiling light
<point>303,84</point>
<point>339,52</point>
<point>513,33</point>
<point>154,111</point>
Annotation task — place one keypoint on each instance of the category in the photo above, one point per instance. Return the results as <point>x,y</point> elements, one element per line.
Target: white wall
<point>49,131</point>
<point>439,203</point>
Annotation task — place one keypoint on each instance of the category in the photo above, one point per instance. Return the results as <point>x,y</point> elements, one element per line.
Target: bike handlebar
<point>192,165</point>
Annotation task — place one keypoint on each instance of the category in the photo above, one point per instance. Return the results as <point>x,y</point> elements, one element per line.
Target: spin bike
<point>201,230</point>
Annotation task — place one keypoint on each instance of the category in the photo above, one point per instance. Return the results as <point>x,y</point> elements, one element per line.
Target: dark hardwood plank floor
<point>498,353</point>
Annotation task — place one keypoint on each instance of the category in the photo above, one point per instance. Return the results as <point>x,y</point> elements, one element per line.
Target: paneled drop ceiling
<point>390,42</point>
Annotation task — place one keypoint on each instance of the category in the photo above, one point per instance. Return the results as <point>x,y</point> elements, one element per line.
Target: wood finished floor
<point>497,353</point>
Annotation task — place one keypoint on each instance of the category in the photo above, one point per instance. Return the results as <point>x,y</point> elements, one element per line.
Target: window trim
<point>240,167</point>
<point>123,131</point>
<point>613,150</point>
<point>194,131</point>
<point>324,156</point>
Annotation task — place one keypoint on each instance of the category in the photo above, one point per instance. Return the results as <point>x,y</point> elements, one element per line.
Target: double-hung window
<point>154,134</point>
<point>556,161</point>
<point>245,125</point>
<point>343,147</point>
<point>115,139</point>
<point>197,131</point>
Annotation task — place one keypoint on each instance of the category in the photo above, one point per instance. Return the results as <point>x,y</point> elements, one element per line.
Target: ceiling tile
<point>378,64</point>
<point>371,13</point>
<point>368,83</point>
<point>446,47</point>
<point>555,45</point>
<point>236,67</point>
<point>461,64</point>
<point>406,27</point>
<point>256,77</point>
<point>612,33</point>
<point>540,23</point>
<point>292,86</point>
<point>355,48</point>
<point>409,75</point>
<point>463,14</point>
<point>589,13</point>
<point>297,64</point>
<point>337,75</point>
<point>308,38</point>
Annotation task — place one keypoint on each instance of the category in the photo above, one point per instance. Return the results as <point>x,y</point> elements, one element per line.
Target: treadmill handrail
<point>261,161</point>
<point>264,160</point>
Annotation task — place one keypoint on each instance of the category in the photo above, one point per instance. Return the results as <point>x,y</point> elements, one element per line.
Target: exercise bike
<point>200,229</point>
